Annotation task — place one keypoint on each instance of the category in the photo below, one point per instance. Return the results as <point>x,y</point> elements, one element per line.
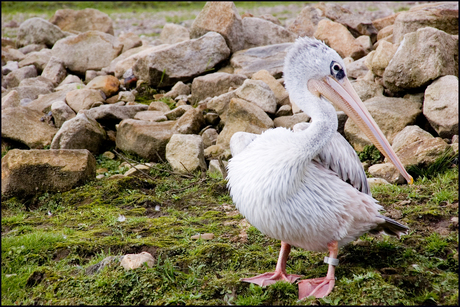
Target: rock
<point>82,21</point>
<point>260,32</point>
<point>80,132</point>
<point>38,31</point>
<point>165,67</point>
<point>39,59</point>
<point>43,103</point>
<point>332,10</point>
<point>379,59</point>
<point>61,112</point>
<point>385,32</point>
<point>281,95</point>
<point>339,38</point>
<point>144,138</point>
<point>134,261</point>
<point>40,82</point>
<point>91,50</point>
<point>390,114</point>
<point>214,84</point>
<point>70,79</point>
<point>376,182</point>
<point>383,22</point>
<point>138,170</point>
<point>126,60</point>
<point>54,70</point>
<point>110,115</point>
<point>440,106</point>
<point>173,33</point>
<point>306,22</point>
<point>356,68</point>
<point>365,42</point>
<point>159,106</point>
<point>185,153</point>
<point>29,93</point>
<point>243,116</point>
<point>32,48</point>
<point>15,77</point>
<point>191,122</point>
<point>84,99</point>
<point>209,137</point>
<point>410,134</point>
<point>290,121</point>
<point>23,125</point>
<point>153,116</point>
<point>11,100</point>
<point>177,112</point>
<point>129,41</point>
<point>96,268</point>
<point>178,89</point>
<point>204,236</point>
<point>423,56</point>
<point>367,89</point>
<point>358,25</point>
<point>387,172</point>
<point>259,93</point>
<point>212,118</point>
<point>11,54</point>
<point>441,15</point>
<point>223,18</point>
<point>285,110</point>
<point>220,104</point>
<point>9,67</point>
<point>26,172</point>
<point>108,84</point>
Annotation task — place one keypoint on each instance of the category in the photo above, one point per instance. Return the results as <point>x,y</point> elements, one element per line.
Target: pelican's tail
<point>390,227</point>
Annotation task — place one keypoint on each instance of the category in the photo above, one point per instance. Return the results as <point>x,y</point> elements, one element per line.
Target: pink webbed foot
<point>270,278</point>
<point>317,287</point>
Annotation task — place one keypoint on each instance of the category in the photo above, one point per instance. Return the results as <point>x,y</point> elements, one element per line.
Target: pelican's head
<point>312,68</point>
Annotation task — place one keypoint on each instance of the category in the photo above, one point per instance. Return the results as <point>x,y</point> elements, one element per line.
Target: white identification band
<point>331,261</point>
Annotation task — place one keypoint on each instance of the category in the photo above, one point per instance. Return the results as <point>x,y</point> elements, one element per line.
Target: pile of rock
<point>70,85</point>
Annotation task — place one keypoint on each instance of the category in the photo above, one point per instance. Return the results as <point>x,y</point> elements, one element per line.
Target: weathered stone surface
<point>441,15</point>
<point>191,122</point>
<point>83,20</point>
<point>84,99</point>
<point>386,171</point>
<point>54,70</point>
<point>40,82</point>
<point>177,112</point>
<point>126,60</point>
<point>379,59</point>
<point>43,103</point>
<point>12,54</point>
<point>209,137</point>
<point>80,132</point>
<point>386,21</point>
<point>110,115</point>
<point>367,89</point>
<point>270,58</point>
<point>214,84</point>
<point>38,31</point>
<point>423,56</point>
<point>144,138</point>
<point>157,105</point>
<point>108,84</point>
<point>365,42</point>
<point>153,116</point>
<point>220,104</point>
<point>214,167</point>
<point>356,68</point>
<point>306,22</point>
<point>39,59</point>
<point>134,261</point>
<point>173,33</point>
<point>259,93</point>
<point>91,50</point>
<point>23,125</point>
<point>332,10</point>
<point>26,172</point>
<point>385,32</point>
<point>15,77</point>
<point>61,112</point>
<point>243,116</point>
<point>260,32</point>
<point>440,106</point>
<point>281,95</point>
<point>390,114</point>
<point>166,66</point>
<point>290,121</point>
<point>339,38</point>
<point>129,41</point>
<point>358,25</point>
<point>178,89</point>
<point>32,48</point>
<point>185,153</point>
<point>11,100</point>
<point>9,67</point>
<point>223,18</point>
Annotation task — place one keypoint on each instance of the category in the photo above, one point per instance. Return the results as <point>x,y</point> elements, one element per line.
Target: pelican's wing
<point>240,140</point>
<point>342,159</point>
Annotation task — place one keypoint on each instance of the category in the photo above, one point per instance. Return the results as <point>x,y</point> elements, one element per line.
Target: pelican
<point>306,186</point>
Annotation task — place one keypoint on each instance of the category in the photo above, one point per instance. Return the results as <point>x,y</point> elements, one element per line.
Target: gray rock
<point>281,95</point>
<point>82,20</point>
<point>110,115</point>
<point>159,106</point>
<point>40,82</point>
<point>26,172</point>
<point>15,77</point>
<point>96,268</point>
<point>11,100</point>
<point>172,33</point>
<point>39,59</point>
<point>185,153</point>
<point>357,68</point>
<point>38,31</point>
<point>43,103</point>
<point>177,112</point>
<point>9,67</point>
<point>260,32</point>
<point>166,66</point>
<point>290,121</point>
<point>153,116</point>
<point>214,167</point>
<point>190,123</point>
<point>178,89</point>
<point>259,93</point>
<point>61,112</point>
<point>32,48</point>
<point>84,99</point>
<point>54,71</point>
<point>214,84</point>
<point>129,41</point>
<point>209,137</point>
<point>31,92</point>
<point>367,89</point>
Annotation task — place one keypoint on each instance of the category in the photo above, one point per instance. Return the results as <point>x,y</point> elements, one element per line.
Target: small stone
<point>204,236</point>
<point>376,181</point>
<point>109,155</point>
<point>101,170</point>
<point>134,261</point>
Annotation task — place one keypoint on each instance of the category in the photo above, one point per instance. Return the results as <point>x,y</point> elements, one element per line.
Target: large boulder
<point>38,31</point>
<point>91,50</point>
<point>83,20</point>
<point>185,153</point>
<point>441,106</point>
<point>168,65</point>
<point>261,32</point>
<point>26,172</point>
<point>173,33</point>
<point>223,18</point>
<point>422,56</point>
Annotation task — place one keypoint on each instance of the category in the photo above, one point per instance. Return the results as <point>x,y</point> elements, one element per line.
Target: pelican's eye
<point>337,70</point>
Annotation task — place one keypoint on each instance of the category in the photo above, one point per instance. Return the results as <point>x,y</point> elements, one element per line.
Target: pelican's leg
<point>280,270</point>
<point>321,287</point>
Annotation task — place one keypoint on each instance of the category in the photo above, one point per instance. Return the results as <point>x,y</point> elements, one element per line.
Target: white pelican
<point>307,187</point>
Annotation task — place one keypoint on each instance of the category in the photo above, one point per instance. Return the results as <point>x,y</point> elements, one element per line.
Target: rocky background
<point>81,84</point>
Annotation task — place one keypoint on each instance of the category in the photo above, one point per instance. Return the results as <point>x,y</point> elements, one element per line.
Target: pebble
<point>204,236</point>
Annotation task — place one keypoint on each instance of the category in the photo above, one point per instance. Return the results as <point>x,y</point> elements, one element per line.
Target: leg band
<point>331,261</point>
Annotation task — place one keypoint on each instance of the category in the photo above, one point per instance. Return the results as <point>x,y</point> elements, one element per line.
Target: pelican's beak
<point>342,94</point>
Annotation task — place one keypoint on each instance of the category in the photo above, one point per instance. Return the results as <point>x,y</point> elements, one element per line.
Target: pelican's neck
<point>324,121</point>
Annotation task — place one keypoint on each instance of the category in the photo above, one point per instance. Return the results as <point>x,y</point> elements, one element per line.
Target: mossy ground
<point>48,242</point>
